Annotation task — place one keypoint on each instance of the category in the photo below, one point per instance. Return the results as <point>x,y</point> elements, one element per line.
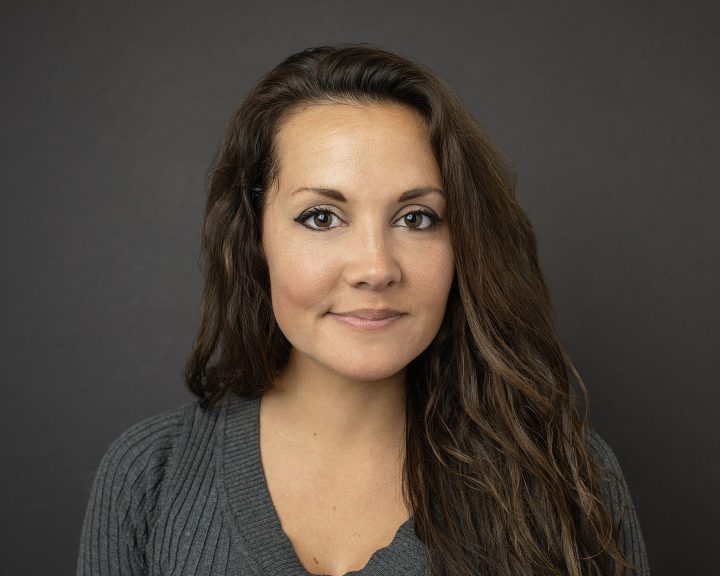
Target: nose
<point>371,259</point>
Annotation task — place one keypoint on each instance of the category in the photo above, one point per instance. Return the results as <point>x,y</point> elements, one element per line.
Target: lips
<point>370,313</point>
<point>368,319</point>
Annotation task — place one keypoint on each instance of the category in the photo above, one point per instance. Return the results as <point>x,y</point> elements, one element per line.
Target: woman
<point>380,385</point>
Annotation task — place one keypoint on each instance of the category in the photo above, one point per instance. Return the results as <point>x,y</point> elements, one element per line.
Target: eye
<point>419,220</point>
<point>320,217</point>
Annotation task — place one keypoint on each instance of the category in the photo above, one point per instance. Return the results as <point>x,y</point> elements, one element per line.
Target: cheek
<point>434,274</point>
<point>298,281</point>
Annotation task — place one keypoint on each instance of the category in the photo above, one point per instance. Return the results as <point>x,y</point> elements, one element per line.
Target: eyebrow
<point>337,195</point>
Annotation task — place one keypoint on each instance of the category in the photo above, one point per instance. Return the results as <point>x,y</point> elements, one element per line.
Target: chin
<point>368,372</point>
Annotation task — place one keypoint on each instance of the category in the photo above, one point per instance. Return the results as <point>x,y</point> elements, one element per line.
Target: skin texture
<point>332,426</point>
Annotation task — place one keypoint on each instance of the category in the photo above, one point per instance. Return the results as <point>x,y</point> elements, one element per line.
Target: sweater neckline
<point>252,514</point>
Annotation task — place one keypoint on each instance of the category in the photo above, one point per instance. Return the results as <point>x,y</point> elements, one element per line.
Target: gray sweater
<point>184,492</point>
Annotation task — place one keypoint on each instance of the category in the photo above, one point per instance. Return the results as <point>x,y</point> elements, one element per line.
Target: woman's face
<point>355,223</point>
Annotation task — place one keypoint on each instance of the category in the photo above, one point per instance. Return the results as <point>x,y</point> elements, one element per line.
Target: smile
<point>366,324</point>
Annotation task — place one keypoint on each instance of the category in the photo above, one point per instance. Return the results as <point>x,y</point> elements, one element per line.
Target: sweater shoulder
<point>137,462</point>
<point>619,501</point>
<point>601,451</point>
<point>125,493</point>
<point>613,481</point>
<point>147,442</point>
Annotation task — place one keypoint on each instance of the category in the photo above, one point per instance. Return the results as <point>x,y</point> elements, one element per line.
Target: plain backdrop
<point>111,112</point>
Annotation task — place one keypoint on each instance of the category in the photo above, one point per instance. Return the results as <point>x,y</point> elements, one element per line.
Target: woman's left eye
<point>414,220</point>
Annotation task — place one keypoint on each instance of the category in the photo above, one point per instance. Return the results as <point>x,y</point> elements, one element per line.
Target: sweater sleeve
<point>124,496</point>
<point>618,497</point>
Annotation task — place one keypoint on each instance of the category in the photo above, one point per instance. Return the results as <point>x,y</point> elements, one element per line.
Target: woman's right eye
<point>319,218</point>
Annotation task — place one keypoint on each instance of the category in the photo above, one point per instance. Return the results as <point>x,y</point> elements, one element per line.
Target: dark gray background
<point>111,113</point>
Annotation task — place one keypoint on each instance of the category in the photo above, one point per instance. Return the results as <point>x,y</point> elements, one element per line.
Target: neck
<point>333,417</point>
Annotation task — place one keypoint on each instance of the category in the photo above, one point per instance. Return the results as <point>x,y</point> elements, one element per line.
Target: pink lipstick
<point>368,318</point>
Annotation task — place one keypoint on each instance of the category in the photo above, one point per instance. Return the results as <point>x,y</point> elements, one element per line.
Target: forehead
<point>355,141</point>
<point>349,115</point>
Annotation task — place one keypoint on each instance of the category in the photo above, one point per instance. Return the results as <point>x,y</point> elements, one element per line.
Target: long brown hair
<point>498,470</point>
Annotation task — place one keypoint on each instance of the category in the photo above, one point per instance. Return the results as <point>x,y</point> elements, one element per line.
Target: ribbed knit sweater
<point>184,492</point>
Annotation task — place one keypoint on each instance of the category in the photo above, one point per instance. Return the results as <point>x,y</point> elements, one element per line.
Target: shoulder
<point>147,453</point>
<point>127,491</point>
<point>615,488</point>
<point>132,469</point>
<point>617,496</point>
<point>605,458</point>
<point>601,451</point>
<point>611,471</point>
<point>147,440</point>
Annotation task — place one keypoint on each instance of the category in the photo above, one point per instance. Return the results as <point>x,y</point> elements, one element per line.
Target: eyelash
<point>434,220</point>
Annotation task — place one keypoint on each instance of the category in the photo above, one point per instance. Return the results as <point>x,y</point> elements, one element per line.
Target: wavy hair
<point>498,471</point>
